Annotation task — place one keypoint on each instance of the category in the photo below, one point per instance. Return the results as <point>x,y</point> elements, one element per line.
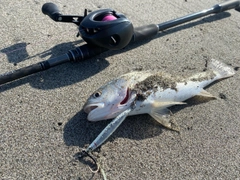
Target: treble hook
<point>84,153</point>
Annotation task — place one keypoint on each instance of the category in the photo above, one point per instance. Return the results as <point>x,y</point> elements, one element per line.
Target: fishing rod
<point>104,30</point>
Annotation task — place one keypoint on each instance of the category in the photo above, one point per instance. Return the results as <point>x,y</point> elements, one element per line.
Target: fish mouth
<point>95,111</point>
<point>90,108</point>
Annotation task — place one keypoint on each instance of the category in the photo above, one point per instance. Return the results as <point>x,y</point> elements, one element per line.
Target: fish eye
<point>97,94</point>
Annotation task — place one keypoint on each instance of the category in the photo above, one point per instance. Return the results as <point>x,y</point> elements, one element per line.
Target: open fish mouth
<point>89,108</point>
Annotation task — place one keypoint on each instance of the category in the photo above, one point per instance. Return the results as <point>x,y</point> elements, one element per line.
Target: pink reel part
<point>109,17</point>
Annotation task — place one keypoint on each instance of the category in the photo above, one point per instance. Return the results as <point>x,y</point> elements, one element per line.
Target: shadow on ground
<point>78,131</point>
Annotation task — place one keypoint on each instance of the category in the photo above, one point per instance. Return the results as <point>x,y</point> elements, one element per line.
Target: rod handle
<point>144,32</point>
<point>232,4</point>
<point>19,73</point>
<point>51,10</point>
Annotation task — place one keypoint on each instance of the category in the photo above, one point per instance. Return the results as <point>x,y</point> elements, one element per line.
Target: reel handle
<point>51,10</point>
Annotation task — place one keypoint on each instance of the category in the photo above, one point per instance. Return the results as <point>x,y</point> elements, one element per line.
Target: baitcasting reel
<point>104,28</point>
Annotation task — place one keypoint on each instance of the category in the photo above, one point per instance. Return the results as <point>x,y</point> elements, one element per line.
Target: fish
<point>152,93</point>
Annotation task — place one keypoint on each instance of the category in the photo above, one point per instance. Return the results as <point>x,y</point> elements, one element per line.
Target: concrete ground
<point>42,123</point>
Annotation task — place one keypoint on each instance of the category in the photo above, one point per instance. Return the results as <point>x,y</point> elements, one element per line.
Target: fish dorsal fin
<point>204,93</point>
<point>162,115</point>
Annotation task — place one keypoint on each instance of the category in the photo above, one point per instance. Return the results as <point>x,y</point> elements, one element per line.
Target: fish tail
<point>222,69</point>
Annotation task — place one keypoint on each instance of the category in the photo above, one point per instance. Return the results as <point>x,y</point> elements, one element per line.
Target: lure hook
<point>85,153</point>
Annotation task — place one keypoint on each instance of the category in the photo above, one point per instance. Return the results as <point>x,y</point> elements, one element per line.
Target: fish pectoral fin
<point>163,117</point>
<point>204,93</point>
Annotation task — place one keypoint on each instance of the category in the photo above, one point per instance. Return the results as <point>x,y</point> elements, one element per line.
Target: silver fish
<point>151,93</point>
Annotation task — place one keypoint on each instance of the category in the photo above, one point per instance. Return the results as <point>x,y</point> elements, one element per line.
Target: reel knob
<point>51,10</point>
<point>106,28</point>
